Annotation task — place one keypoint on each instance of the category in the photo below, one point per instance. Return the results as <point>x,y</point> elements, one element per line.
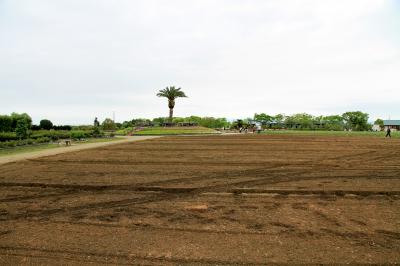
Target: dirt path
<point>54,151</point>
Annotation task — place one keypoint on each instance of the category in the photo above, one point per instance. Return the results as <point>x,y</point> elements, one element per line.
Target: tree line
<point>357,121</point>
<point>22,122</point>
<point>210,122</point>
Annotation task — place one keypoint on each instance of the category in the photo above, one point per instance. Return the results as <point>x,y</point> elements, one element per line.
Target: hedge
<point>50,135</point>
<point>7,136</point>
<point>80,134</point>
<point>15,143</point>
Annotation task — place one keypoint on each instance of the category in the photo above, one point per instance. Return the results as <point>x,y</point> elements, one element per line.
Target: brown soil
<point>240,199</point>
<point>64,149</point>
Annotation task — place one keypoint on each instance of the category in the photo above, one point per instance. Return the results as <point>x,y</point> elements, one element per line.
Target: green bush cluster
<point>15,143</point>
<point>51,134</point>
<point>9,122</point>
<point>80,134</point>
<point>56,135</point>
<point>43,140</point>
<point>8,136</point>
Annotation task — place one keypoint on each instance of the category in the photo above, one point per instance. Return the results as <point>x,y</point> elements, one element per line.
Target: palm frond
<point>171,93</point>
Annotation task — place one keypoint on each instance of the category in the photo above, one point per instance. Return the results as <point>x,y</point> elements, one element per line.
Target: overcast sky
<point>72,60</point>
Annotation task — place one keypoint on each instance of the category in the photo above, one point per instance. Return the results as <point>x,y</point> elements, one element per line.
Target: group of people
<point>255,129</point>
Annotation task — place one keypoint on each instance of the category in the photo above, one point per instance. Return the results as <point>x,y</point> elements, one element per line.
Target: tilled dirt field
<point>240,199</point>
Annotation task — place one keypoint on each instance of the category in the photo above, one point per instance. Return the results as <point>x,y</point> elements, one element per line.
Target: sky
<point>72,60</point>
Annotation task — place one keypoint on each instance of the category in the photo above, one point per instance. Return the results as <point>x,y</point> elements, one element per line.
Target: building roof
<point>391,122</point>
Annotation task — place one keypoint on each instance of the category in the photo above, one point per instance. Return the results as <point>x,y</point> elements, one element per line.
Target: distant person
<point>388,133</point>
<point>96,122</point>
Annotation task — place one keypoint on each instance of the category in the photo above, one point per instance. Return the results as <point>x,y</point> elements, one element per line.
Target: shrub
<point>21,129</point>
<point>35,127</point>
<point>15,117</point>
<point>62,127</point>
<point>6,136</point>
<point>79,134</point>
<point>83,127</point>
<point>53,134</point>
<point>108,124</point>
<point>43,140</point>
<point>96,132</point>
<point>12,143</point>
<point>5,123</point>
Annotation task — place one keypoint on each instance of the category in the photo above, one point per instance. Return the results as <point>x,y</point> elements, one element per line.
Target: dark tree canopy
<point>46,124</point>
<point>5,123</point>
<point>15,117</point>
<point>108,124</point>
<point>379,122</point>
<point>22,128</point>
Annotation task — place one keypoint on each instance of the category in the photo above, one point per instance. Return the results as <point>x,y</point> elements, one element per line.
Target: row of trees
<point>357,121</point>
<point>210,122</point>
<point>18,123</point>
<point>8,123</point>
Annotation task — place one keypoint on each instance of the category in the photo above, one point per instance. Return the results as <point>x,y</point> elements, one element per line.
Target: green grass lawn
<point>25,149</point>
<point>380,134</point>
<point>33,148</point>
<point>175,131</point>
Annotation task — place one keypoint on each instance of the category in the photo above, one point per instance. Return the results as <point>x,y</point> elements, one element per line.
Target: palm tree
<point>171,94</point>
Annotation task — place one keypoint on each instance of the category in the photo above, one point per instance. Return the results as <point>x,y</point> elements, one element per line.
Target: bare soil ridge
<point>59,150</point>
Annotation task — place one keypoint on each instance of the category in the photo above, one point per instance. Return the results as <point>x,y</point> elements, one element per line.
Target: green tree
<point>178,120</point>
<point>263,118</point>
<point>15,117</point>
<point>141,122</point>
<point>171,93</point>
<point>159,120</point>
<point>279,120</point>
<point>301,120</point>
<point>357,121</point>
<point>108,124</point>
<point>379,122</point>
<point>333,122</point>
<point>5,123</point>
<point>21,129</point>
<point>194,119</point>
<point>46,124</point>
<point>212,122</point>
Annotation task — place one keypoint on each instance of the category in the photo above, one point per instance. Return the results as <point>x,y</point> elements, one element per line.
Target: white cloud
<point>233,58</point>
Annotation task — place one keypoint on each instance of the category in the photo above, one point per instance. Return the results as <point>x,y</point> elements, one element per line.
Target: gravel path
<point>54,151</point>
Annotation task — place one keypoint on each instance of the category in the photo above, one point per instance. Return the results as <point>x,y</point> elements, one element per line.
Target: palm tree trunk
<point>171,113</point>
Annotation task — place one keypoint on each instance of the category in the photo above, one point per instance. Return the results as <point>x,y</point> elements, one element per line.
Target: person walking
<point>388,133</point>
